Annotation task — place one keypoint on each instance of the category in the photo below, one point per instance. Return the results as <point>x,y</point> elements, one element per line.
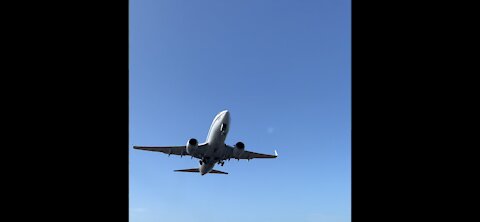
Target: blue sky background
<point>282,68</point>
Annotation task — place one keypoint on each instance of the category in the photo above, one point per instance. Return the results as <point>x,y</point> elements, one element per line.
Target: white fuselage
<point>216,149</point>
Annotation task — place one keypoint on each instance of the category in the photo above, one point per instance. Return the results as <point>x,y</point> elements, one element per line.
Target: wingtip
<point>276,154</point>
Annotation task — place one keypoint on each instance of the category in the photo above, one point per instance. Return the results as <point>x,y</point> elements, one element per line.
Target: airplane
<point>213,150</point>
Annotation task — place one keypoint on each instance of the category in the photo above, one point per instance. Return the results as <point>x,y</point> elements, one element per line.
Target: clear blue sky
<point>282,68</point>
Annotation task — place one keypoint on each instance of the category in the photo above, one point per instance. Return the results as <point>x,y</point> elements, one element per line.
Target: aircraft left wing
<point>252,155</point>
<point>246,155</point>
<point>174,150</point>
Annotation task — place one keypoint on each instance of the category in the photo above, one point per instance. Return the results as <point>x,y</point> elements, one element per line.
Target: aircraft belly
<point>216,151</point>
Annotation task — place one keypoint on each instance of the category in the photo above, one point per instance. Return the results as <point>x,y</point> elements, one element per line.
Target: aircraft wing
<point>252,155</point>
<point>174,150</point>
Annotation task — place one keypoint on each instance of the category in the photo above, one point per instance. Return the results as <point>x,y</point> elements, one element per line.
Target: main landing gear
<point>204,160</point>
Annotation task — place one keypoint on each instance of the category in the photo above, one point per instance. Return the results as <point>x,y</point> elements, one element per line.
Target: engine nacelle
<point>238,149</point>
<point>192,145</point>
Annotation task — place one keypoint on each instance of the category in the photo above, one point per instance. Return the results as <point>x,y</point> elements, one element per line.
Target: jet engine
<point>238,149</point>
<point>192,146</point>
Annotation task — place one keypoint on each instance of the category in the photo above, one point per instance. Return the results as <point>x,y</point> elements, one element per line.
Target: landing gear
<point>204,160</point>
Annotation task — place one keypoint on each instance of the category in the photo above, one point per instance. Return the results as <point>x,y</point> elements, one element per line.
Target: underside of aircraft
<point>213,151</point>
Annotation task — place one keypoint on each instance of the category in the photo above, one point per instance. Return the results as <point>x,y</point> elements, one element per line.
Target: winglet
<point>276,154</point>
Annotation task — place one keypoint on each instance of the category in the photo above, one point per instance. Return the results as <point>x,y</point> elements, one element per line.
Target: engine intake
<point>192,145</point>
<point>238,149</point>
<point>240,145</point>
<point>193,142</point>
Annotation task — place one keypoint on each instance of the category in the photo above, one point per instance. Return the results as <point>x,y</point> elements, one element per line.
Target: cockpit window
<point>223,127</point>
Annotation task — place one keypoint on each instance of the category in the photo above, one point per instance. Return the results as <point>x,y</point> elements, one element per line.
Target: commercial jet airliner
<point>213,151</point>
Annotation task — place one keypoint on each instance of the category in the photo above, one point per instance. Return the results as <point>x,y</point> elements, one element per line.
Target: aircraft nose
<point>226,116</point>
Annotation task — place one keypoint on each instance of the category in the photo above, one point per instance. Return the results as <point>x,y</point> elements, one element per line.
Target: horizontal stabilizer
<point>194,170</point>
<point>217,171</point>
